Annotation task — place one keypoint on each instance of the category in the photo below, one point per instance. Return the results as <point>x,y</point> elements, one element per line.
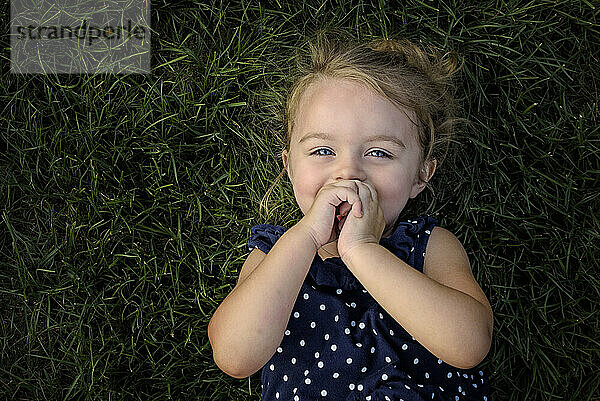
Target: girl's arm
<point>247,327</point>
<point>448,315</point>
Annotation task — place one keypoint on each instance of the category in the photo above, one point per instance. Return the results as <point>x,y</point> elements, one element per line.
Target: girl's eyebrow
<point>373,138</point>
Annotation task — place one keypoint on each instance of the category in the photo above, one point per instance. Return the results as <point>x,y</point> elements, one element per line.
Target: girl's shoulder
<point>447,262</point>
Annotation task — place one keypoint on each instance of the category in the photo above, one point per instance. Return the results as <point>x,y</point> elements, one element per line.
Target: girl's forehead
<point>330,86</point>
<point>318,106</point>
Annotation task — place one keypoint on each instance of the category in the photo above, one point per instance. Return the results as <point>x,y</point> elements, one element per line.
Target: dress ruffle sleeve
<point>409,240</point>
<point>264,236</point>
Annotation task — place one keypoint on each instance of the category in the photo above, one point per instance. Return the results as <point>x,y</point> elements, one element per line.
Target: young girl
<point>354,302</point>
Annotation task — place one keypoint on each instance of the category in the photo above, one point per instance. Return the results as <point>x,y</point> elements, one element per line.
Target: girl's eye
<point>318,152</point>
<point>381,153</point>
<point>323,152</point>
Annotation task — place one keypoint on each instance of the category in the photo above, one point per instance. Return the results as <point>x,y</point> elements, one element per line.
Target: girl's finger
<point>349,194</point>
<point>372,191</point>
<point>357,206</point>
<point>350,184</point>
<point>356,202</point>
<point>364,193</point>
<point>357,209</point>
<point>345,184</point>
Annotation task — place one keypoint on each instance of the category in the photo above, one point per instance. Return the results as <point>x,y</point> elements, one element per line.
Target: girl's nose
<point>350,169</point>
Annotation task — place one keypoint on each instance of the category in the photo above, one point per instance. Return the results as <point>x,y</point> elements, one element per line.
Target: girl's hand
<point>365,229</point>
<point>339,198</point>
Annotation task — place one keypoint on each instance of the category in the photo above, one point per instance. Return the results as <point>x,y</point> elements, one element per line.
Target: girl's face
<point>344,130</point>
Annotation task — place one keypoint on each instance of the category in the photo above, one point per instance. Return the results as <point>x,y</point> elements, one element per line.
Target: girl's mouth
<point>341,221</point>
<point>341,216</point>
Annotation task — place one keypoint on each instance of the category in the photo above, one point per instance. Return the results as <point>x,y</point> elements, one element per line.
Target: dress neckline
<point>332,272</point>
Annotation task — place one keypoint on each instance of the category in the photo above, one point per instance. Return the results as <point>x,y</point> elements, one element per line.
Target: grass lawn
<point>126,201</point>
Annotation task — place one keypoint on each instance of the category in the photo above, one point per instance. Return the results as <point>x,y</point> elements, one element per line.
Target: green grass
<point>126,201</point>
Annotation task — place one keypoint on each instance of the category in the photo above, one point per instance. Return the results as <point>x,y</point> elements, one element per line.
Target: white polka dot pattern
<point>340,342</point>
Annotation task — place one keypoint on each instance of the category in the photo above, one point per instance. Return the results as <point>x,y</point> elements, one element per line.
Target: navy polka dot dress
<point>339,343</point>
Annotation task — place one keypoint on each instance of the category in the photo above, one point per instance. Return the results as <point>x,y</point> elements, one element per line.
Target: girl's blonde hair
<point>418,78</point>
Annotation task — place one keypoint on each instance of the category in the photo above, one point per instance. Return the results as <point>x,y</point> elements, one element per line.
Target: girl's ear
<point>423,177</point>
<point>284,158</point>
